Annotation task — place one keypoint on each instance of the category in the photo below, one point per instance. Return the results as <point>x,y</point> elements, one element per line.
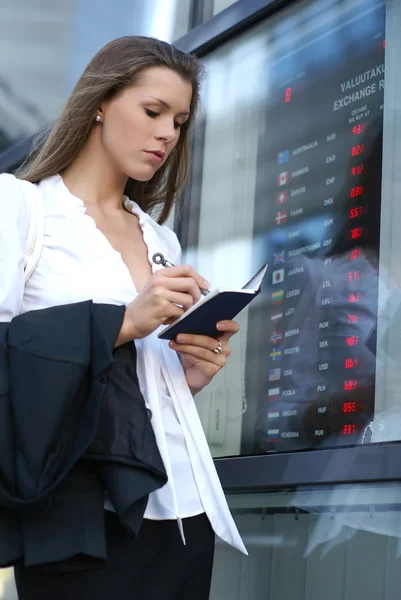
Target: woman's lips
<point>156,158</point>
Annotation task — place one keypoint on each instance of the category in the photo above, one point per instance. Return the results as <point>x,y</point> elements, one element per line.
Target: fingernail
<point>221,326</point>
<point>180,338</point>
<point>206,284</point>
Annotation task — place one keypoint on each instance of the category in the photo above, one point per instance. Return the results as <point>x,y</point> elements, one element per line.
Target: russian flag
<point>272,435</point>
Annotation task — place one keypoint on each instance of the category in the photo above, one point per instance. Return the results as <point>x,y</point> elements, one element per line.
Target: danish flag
<point>281,217</point>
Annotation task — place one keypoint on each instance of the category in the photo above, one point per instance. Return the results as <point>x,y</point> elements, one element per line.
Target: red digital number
<point>288,94</point>
<point>350,363</point>
<point>356,191</point>
<point>355,254</point>
<point>349,429</point>
<point>355,212</point>
<point>352,340</point>
<point>354,297</point>
<point>358,129</point>
<point>356,233</point>
<point>352,319</point>
<point>354,275</point>
<point>355,171</point>
<point>357,150</point>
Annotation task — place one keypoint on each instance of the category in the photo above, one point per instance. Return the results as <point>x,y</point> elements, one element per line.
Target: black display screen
<point>310,379</point>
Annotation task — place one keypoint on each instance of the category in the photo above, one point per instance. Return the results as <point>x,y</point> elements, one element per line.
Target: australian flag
<point>283,157</point>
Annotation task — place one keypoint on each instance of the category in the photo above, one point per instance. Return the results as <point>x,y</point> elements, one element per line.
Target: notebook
<point>218,305</point>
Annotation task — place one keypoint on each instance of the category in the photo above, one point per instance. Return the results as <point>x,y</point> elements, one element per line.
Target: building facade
<point>295,163</point>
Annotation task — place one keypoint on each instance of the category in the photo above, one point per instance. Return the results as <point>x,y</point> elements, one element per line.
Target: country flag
<point>271,415</point>
<point>283,178</point>
<point>282,197</point>
<point>275,354</point>
<point>274,374</point>
<point>273,393</point>
<point>283,157</point>
<point>276,316</point>
<point>272,435</point>
<point>281,217</point>
<point>278,276</point>
<point>276,337</point>
<point>279,258</point>
<point>277,297</point>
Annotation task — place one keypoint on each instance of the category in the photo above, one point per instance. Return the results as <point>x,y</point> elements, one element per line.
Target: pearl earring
<point>98,118</point>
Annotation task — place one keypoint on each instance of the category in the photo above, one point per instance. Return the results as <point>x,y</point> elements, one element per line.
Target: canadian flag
<point>283,178</point>
<point>282,197</point>
<point>281,217</point>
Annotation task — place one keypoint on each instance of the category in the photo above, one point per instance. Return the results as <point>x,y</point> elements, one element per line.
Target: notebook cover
<point>225,305</point>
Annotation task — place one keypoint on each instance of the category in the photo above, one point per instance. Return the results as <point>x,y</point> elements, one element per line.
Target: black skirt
<point>154,566</point>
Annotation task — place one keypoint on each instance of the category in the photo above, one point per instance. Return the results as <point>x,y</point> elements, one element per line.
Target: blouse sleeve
<point>14,225</point>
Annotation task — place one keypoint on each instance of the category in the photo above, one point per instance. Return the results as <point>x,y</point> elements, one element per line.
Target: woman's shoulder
<point>14,200</point>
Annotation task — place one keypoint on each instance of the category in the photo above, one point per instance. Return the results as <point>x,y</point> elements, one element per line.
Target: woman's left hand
<point>200,361</point>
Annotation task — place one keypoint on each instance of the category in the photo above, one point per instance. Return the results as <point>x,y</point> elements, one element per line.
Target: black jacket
<point>73,425</point>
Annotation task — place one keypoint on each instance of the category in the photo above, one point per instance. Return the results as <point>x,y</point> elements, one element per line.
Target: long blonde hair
<point>116,66</point>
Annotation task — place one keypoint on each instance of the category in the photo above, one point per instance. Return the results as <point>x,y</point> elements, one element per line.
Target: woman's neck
<point>93,178</point>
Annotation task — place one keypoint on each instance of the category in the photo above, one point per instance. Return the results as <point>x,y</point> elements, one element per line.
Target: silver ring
<point>219,348</point>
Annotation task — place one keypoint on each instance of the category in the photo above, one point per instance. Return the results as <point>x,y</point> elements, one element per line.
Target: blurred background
<point>45,45</point>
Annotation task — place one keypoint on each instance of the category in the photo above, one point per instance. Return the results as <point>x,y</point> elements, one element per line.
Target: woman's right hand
<point>165,297</point>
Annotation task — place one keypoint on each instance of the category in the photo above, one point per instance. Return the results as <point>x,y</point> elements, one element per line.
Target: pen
<point>159,259</point>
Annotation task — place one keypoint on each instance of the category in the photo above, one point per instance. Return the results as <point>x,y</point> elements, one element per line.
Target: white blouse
<point>78,263</point>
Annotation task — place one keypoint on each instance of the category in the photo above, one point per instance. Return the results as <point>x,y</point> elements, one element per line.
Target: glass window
<point>336,543</point>
<point>219,5</point>
<point>289,170</point>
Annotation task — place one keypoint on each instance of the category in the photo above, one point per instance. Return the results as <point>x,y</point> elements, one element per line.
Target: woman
<point>118,151</point>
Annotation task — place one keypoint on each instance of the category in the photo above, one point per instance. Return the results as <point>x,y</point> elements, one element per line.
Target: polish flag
<point>273,394</point>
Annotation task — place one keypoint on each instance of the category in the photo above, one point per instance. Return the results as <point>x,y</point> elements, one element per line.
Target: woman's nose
<point>167,132</point>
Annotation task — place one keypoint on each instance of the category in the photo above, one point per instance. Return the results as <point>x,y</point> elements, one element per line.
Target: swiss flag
<point>281,217</point>
<point>283,178</point>
<point>282,197</point>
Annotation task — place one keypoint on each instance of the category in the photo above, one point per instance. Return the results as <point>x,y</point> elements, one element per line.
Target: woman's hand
<point>164,298</point>
<point>200,361</point>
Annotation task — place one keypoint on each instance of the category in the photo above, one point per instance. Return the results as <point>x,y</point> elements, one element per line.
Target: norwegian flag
<point>279,258</point>
<point>283,178</point>
<point>281,217</point>
<point>276,337</point>
<point>282,197</point>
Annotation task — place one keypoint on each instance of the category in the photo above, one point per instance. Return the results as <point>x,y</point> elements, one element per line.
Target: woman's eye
<point>151,113</point>
<point>177,125</point>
